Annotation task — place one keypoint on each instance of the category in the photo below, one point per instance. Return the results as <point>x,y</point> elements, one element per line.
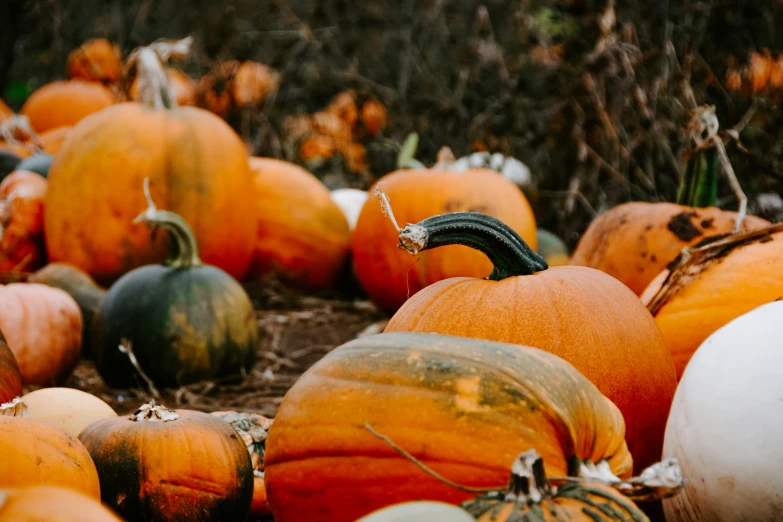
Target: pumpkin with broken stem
<point>186,321</point>
<point>580,314</point>
<point>634,241</point>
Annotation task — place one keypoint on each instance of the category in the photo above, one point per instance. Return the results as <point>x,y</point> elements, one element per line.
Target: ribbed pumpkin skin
<point>10,379</point>
<point>634,241</point>
<point>185,325</point>
<point>37,452</point>
<point>65,103</point>
<point>197,167</point>
<point>302,234</point>
<point>464,407</point>
<point>388,274</point>
<point>51,504</point>
<point>580,314</point>
<point>194,468</point>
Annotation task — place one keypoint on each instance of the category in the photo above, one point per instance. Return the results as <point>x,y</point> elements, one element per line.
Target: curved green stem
<point>507,251</point>
<point>185,248</point>
<point>699,187</point>
<point>406,159</point>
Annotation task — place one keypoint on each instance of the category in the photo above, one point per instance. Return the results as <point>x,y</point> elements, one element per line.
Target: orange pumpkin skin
<point>634,241</point>
<point>464,407</point>
<point>389,275</point>
<point>65,103</point>
<point>746,278</point>
<point>197,167</point>
<point>192,468</point>
<point>51,504</point>
<point>52,139</point>
<point>10,379</point>
<point>43,326</point>
<point>302,234</point>
<point>22,196</point>
<point>96,60</point>
<point>37,452</point>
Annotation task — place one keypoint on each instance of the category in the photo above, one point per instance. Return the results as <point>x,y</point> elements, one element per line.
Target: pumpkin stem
<point>16,129</point>
<point>661,480</point>
<point>14,408</point>
<point>406,159</point>
<point>152,412</point>
<point>147,65</point>
<point>528,482</point>
<point>508,252</point>
<point>185,251</point>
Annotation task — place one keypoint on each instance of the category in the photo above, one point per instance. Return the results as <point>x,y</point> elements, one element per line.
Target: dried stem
<point>126,347</point>
<point>386,206</point>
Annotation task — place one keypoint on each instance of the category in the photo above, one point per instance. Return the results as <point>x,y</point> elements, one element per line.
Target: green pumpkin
<point>552,248</point>
<point>8,163</point>
<point>186,321</point>
<point>38,163</point>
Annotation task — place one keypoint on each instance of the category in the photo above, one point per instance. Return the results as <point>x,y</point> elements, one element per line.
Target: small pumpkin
<point>43,326</point>
<point>303,235</point>
<point>10,378</point>
<point>552,248</point>
<point>419,511</point>
<point>22,196</point>
<point>160,465</point>
<point>51,504</point>
<point>235,84</point>
<point>634,241</point>
<point>79,285</point>
<point>73,410</point>
<point>374,116</point>
<point>388,275</point>
<point>96,60</point>
<point>182,86</point>
<point>726,423</point>
<point>65,103</point>
<point>462,406</point>
<point>580,314</point>
<point>198,166</point>
<point>350,202</point>
<point>40,163</point>
<point>184,321</point>
<point>37,452</point>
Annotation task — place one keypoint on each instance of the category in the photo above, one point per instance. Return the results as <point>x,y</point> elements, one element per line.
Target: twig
<point>126,347</point>
<point>386,206</point>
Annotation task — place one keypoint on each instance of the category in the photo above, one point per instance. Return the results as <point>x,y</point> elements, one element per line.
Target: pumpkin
<point>580,314</point>
<point>198,166</point>
<point>43,326</point>
<point>463,407</point>
<point>8,162</point>
<point>159,465</point>
<point>73,410</point>
<point>419,511</point>
<point>22,196</point>
<point>65,103</point>
<point>184,321</point>
<point>634,241</point>
<point>10,379</point>
<point>96,60</point>
<point>552,248</point>
<point>374,116</point>
<point>303,236</point>
<point>52,139</point>
<point>182,85</point>
<point>388,275</point>
<point>253,429</point>
<point>37,452</point>
<point>350,202</point>
<point>40,163</point>
<point>234,84</point>
<point>51,504</point>
<point>509,167</point>
<point>79,285</point>
<point>725,424</point>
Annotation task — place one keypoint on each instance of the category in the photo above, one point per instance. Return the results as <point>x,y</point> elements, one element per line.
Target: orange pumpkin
<point>65,103</point>
<point>72,410</point>
<point>464,407</point>
<point>182,85</point>
<point>10,379</point>
<point>52,139</point>
<point>234,84</point>
<point>161,464</point>
<point>580,314</point>
<point>51,504</point>
<point>43,326</point>
<point>22,196</point>
<point>197,166</point>
<point>302,234</point>
<point>389,275</point>
<point>37,453</point>
<point>374,116</point>
<point>96,60</point>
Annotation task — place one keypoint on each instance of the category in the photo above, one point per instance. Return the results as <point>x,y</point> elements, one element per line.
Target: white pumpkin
<point>350,202</point>
<point>419,511</point>
<point>726,424</point>
<point>510,168</point>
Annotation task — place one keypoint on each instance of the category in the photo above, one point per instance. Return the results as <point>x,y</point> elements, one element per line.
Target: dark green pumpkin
<point>186,321</point>
<point>38,163</point>
<point>8,163</point>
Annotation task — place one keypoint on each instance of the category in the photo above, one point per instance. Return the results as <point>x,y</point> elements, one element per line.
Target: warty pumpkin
<point>43,326</point>
<point>71,409</point>
<point>303,236</point>
<point>51,504</point>
<point>184,321</point>
<point>580,314</point>
<point>65,103</point>
<point>37,452</point>
<point>634,241</point>
<point>464,407</point>
<point>198,166</point>
<point>162,465</point>
<point>96,60</point>
<point>10,378</point>
<point>22,196</point>
<point>390,276</point>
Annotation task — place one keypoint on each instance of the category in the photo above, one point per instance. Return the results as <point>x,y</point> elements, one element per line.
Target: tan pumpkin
<point>51,504</point>
<point>73,410</point>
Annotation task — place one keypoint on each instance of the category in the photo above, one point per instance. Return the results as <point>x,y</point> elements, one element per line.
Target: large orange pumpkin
<point>51,504</point>
<point>43,326</point>
<point>390,276</point>
<point>580,314</point>
<point>65,103</point>
<point>464,407</point>
<point>96,60</point>
<point>197,166</point>
<point>302,234</point>
<point>10,379</point>
<point>22,196</point>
